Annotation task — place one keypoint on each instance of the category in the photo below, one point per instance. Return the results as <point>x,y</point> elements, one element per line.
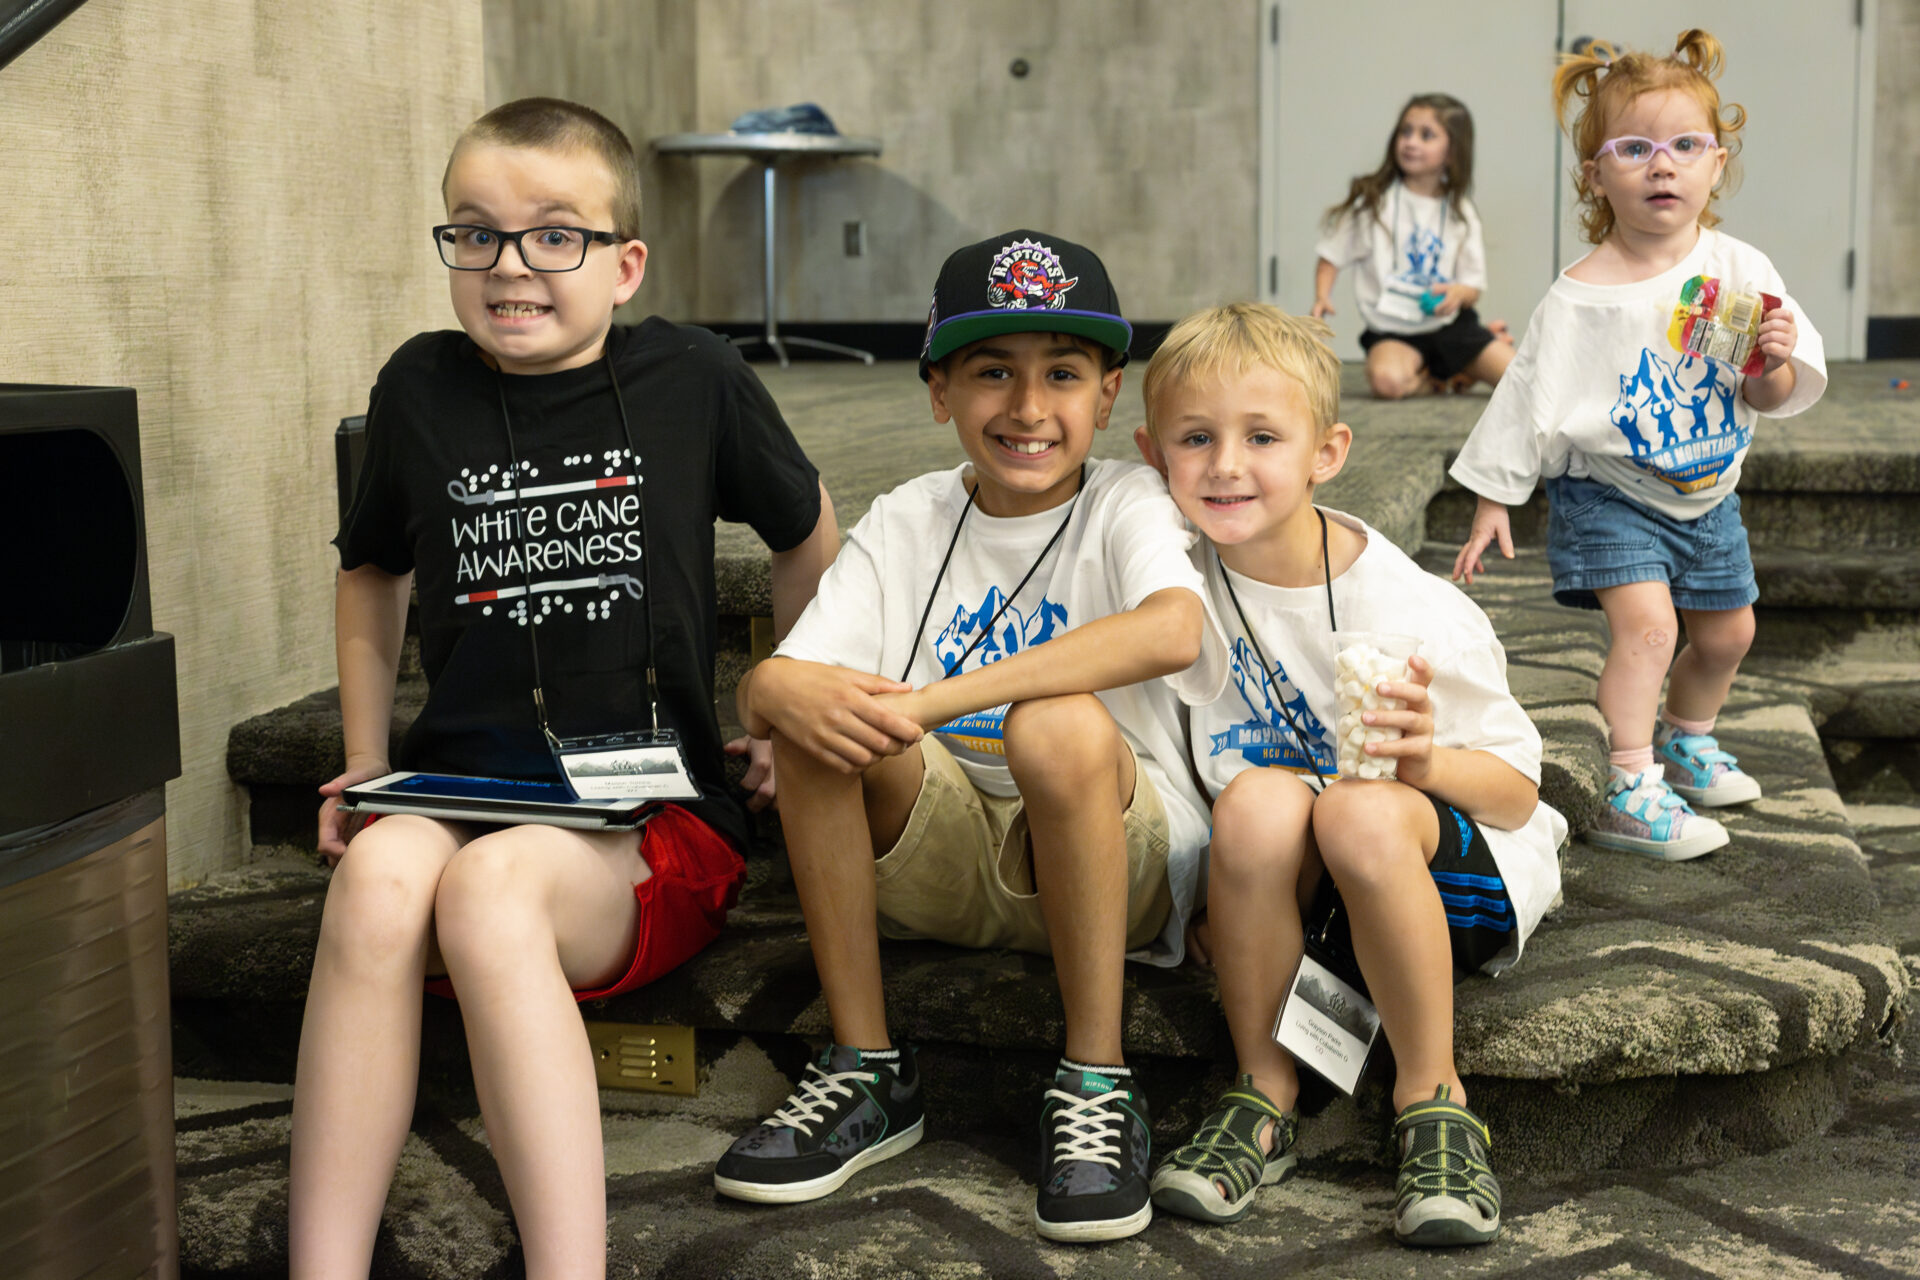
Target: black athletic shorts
<point>1480,920</point>
<point>1447,351</point>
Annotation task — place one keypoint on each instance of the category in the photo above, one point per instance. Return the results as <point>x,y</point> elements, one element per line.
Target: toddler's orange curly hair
<point>1604,81</point>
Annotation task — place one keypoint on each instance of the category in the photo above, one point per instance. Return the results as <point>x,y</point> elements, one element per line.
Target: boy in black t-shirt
<point>550,484</point>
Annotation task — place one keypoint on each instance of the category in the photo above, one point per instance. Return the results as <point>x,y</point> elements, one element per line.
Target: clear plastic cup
<point>1361,661</point>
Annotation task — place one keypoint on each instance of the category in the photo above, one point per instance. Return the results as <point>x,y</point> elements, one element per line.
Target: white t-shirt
<point>1597,390</point>
<point>1124,541</point>
<point>1414,244</point>
<point>1382,591</point>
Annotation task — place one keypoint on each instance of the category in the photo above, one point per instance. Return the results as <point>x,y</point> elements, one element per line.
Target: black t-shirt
<point>436,499</point>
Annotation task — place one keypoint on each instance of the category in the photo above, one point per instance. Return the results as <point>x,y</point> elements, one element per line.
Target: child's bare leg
<point>523,915</point>
<point>1395,370</point>
<point>1491,364</point>
<point>1076,779</point>
<point>1641,620</point>
<point>1717,641</point>
<point>1262,870</point>
<point>360,1042</point>
<point>1376,839</point>
<point>831,836</point>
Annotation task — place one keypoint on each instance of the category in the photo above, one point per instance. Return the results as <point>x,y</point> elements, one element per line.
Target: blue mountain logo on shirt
<point>1265,739</point>
<point>1012,633</point>
<point>979,732</point>
<point>1678,420</point>
<point>1423,257</point>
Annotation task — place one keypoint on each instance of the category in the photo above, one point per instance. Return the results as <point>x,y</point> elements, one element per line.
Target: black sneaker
<point>1094,1152</point>
<point>844,1116</point>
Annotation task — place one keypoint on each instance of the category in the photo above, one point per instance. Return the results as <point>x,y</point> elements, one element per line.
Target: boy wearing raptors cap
<point>974,741</point>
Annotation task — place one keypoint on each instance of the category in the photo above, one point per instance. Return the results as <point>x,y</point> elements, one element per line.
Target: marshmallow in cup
<point>1362,660</point>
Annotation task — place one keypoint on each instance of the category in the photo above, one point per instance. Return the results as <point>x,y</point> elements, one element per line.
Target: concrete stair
<point>1663,1015</point>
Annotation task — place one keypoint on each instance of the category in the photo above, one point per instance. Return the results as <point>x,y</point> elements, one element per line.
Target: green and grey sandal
<point>1214,1177</point>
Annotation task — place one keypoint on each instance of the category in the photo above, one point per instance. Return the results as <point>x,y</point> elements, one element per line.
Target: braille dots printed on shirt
<point>519,611</point>
<point>613,458</point>
<point>599,610</point>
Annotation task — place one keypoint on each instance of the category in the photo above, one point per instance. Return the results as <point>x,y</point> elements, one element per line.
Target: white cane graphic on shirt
<point>487,497</point>
<point>627,580</point>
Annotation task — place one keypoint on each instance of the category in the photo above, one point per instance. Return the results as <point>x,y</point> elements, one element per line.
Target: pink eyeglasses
<point>1681,148</point>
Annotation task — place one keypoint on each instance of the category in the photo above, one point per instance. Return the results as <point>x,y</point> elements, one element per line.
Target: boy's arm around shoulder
<point>1143,558</point>
<point>1158,637</point>
<point>369,620</point>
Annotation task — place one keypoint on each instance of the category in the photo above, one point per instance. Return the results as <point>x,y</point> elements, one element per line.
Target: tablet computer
<point>443,795</point>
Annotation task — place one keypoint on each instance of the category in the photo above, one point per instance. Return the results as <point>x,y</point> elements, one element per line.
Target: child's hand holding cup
<point>1362,661</point>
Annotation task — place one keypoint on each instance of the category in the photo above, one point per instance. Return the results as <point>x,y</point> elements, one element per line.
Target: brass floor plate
<point>760,638</point>
<point>627,1055</point>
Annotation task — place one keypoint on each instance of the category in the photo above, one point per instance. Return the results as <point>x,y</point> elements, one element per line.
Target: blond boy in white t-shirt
<point>1446,868</point>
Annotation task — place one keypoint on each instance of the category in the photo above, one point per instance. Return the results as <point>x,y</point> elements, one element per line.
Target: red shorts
<point>695,882</point>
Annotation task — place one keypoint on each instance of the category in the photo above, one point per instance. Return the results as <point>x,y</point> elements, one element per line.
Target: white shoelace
<point>1084,1128</point>
<point>804,1105</point>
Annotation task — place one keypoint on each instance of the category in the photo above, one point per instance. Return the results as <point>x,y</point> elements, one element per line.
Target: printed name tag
<point>1327,1025</point>
<point>630,766</point>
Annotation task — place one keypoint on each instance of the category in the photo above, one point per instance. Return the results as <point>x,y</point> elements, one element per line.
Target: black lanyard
<point>1273,671</point>
<point>646,556</point>
<point>1005,604</point>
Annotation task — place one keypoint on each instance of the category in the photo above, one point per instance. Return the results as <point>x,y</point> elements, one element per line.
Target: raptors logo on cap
<point>1028,274</point>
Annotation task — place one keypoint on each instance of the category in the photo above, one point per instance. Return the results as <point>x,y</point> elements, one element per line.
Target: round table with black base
<point>769,149</point>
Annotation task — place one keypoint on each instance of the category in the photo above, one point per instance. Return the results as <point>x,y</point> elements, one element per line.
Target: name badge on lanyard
<point>643,765</point>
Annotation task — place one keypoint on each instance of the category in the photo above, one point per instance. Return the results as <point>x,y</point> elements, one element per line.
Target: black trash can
<point>89,735</point>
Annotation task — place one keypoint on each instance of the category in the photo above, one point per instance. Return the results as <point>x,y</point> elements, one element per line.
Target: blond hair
<point>1605,80</point>
<point>1224,342</point>
<point>551,124</point>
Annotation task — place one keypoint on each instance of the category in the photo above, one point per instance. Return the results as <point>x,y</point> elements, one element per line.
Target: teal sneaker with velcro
<point>1698,769</point>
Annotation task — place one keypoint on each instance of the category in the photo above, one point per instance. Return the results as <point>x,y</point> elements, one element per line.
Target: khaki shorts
<point>962,871</point>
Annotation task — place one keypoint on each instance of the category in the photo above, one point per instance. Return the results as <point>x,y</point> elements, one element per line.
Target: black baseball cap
<point>1022,282</point>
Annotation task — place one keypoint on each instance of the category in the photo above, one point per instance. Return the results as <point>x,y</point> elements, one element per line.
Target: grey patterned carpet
<point>1842,1203</point>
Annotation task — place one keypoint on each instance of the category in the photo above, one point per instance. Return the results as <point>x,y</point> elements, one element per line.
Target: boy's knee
<point>381,896</point>
<point>1261,816</point>
<point>490,884</point>
<point>1064,738</point>
<point>1365,830</point>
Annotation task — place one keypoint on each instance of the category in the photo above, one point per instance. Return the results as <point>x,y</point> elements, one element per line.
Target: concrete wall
<point>1135,132</point>
<point>224,205</point>
<point>632,61</point>
<point>1893,281</point>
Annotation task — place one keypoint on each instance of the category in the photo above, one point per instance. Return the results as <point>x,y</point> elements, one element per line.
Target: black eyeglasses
<point>476,248</point>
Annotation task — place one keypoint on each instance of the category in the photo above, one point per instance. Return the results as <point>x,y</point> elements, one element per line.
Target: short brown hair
<point>551,124</point>
<point>1226,341</point>
<point>1606,80</point>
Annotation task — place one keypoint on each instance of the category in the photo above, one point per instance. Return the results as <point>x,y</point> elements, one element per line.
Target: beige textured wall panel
<point>224,205</point>
<point>633,62</point>
<point>1135,132</point>
<point>1893,285</point>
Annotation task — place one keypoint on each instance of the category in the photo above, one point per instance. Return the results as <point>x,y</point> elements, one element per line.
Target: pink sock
<point>1691,727</point>
<point>1634,760</point>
